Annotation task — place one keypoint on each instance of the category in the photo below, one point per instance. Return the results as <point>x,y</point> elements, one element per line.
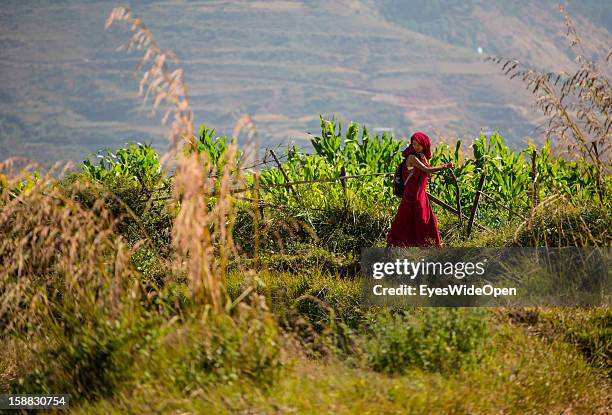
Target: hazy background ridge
<point>407,65</point>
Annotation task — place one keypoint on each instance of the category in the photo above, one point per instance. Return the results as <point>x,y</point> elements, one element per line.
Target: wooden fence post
<point>280,166</point>
<point>451,209</point>
<point>475,205</point>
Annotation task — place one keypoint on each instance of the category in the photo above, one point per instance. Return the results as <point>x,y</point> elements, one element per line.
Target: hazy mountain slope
<point>65,92</point>
<point>532,31</point>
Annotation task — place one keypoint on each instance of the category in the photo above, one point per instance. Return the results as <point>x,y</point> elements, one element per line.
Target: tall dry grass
<point>166,85</point>
<point>15,165</point>
<point>69,289</point>
<point>56,250</point>
<point>54,253</point>
<point>202,231</point>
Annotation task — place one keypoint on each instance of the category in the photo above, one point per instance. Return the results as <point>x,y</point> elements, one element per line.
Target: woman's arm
<point>415,162</point>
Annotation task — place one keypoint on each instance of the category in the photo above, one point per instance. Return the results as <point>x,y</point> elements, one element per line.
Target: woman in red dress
<point>415,223</point>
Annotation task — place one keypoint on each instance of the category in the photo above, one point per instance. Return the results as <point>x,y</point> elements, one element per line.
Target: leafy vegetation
<point>290,300</point>
<point>346,214</point>
<point>436,340</point>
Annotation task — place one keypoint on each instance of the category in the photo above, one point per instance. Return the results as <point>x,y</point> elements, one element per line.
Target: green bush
<point>137,162</point>
<point>437,339</point>
<point>87,360</point>
<point>135,189</point>
<point>223,349</point>
<point>320,310</point>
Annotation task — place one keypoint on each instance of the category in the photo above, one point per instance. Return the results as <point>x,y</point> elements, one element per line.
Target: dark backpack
<point>398,182</point>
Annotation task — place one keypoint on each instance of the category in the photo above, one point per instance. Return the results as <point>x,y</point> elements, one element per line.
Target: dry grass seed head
<point>57,252</point>
<point>577,105</point>
<point>159,80</point>
<point>202,234</point>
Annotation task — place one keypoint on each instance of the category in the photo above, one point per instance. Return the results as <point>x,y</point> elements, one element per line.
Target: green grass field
<point>136,292</point>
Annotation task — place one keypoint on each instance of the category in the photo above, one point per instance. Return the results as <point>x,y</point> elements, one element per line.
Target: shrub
<point>593,339</point>
<point>89,360</point>
<point>135,188</point>
<point>437,339</point>
<point>137,162</point>
<point>225,349</point>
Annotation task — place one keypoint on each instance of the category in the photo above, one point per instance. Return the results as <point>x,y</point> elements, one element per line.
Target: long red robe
<point>415,223</point>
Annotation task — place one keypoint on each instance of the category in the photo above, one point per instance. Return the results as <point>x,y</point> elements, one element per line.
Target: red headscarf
<point>423,140</point>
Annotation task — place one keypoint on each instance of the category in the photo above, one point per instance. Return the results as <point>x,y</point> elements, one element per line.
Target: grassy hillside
<point>135,291</point>
<point>64,92</point>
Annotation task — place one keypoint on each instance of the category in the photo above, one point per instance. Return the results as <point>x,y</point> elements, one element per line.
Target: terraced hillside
<point>65,92</point>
